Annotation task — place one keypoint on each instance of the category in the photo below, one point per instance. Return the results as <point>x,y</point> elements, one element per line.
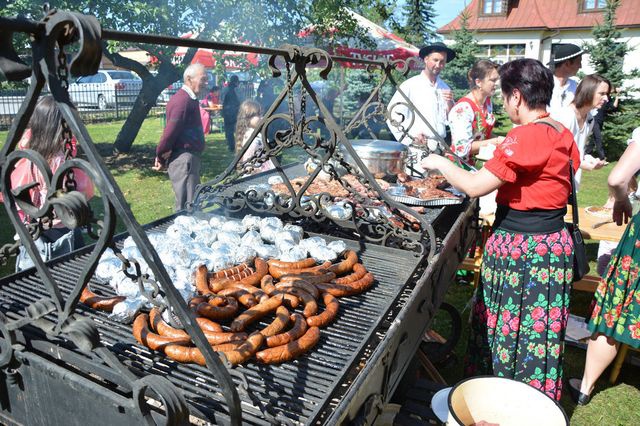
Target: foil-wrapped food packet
<point>244,254</point>
<point>267,251</point>
<point>251,238</point>
<point>234,226</point>
<point>337,246</point>
<point>271,221</point>
<point>322,254</point>
<point>251,222</point>
<point>294,254</point>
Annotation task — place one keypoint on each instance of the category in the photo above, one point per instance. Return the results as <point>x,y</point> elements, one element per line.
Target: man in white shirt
<point>429,95</point>
<point>566,61</point>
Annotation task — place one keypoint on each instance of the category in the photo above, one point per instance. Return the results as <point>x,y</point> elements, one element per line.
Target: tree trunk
<point>143,104</point>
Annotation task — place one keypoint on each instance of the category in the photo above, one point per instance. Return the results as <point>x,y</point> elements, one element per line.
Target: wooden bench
<point>587,283</point>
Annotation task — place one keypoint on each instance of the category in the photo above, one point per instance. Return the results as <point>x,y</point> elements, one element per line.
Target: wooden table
<point>607,232</point>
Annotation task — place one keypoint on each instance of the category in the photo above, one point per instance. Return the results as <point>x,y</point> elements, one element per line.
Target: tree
<point>420,28</point>
<point>607,55</point>
<point>260,22</point>
<point>466,48</point>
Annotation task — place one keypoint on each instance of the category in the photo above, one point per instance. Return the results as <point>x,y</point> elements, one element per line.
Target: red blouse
<point>533,162</point>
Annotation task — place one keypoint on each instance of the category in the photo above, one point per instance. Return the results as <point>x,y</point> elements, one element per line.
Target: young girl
<point>249,117</point>
<point>44,136</point>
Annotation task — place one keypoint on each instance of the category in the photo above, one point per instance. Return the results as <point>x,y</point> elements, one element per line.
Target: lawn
<point>150,197</point>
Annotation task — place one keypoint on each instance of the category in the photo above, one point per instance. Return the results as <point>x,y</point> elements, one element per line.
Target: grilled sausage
<point>101,303</point>
<point>349,289</point>
<point>278,273</point>
<point>301,284</point>
<point>291,350</point>
<point>345,266</point>
<point>278,324</point>
<point>266,284</point>
<point>218,308</point>
<point>253,314</point>
<point>226,273</point>
<point>186,354</point>
<point>202,282</point>
<point>150,339</point>
<point>330,311</point>
<point>300,264</point>
<point>310,304</point>
<point>311,277</point>
<point>298,328</point>
<point>246,350</point>
<point>359,271</point>
<point>262,269</point>
<point>240,294</point>
<point>208,326</point>
<point>164,329</point>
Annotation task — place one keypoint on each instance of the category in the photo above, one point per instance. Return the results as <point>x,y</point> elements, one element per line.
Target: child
<point>249,116</point>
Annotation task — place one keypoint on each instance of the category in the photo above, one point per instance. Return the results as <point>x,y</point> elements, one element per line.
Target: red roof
<point>543,14</point>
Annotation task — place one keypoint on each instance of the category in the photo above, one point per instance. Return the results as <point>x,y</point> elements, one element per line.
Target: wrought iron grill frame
<point>55,315</point>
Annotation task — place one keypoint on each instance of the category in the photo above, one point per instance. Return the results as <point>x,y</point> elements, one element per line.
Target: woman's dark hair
<point>480,70</point>
<point>587,89</point>
<point>532,79</point>
<point>46,128</point>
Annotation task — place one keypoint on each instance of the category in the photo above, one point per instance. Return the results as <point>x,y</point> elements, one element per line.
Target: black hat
<point>562,51</point>
<point>437,47</point>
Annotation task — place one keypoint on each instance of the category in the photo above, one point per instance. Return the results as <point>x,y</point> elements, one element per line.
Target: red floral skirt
<point>521,309</point>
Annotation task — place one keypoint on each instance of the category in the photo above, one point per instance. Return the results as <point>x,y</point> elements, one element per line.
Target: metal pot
<point>379,156</point>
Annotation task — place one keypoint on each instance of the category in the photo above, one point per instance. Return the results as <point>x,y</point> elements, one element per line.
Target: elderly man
<point>182,141</point>
<point>431,96</point>
<point>566,60</point>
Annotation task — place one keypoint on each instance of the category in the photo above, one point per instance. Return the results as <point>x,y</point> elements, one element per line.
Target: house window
<point>501,53</point>
<point>493,7</point>
<point>592,5</point>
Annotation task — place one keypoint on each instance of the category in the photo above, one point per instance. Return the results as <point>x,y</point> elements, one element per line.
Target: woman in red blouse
<point>471,119</point>
<point>522,302</point>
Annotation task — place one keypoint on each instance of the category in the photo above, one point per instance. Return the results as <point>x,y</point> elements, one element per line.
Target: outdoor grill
<point>64,363</point>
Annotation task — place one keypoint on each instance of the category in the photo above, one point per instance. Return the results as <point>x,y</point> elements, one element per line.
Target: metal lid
<point>377,146</point>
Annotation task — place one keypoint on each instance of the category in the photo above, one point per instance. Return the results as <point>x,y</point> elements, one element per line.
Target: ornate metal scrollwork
<point>55,314</point>
<point>374,215</point>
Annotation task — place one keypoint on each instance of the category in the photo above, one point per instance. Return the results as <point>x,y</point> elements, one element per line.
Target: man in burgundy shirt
<point>182,141</point>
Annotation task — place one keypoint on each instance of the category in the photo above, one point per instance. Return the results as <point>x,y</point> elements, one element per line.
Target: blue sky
<point>447,10</point>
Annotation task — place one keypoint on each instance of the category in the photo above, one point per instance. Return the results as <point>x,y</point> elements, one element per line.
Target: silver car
<point>105,89</point>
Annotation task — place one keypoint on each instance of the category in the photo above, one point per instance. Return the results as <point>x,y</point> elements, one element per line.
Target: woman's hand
<point>622,211</point>
<point>431,162</point>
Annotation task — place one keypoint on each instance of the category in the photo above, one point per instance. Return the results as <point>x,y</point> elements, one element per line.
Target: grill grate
<point>298,391</point>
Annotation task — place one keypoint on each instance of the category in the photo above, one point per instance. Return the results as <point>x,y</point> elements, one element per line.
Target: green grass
<point>150,197</point>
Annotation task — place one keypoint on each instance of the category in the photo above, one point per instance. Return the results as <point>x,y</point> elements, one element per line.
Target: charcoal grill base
<point>41,392</point>
<point>343,379</point>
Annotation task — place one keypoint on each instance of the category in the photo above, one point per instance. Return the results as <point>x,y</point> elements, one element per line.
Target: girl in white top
<point>249,116</point>
<point>592,92</point>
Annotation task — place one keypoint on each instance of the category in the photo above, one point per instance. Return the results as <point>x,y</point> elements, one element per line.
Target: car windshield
<point>122,75</point>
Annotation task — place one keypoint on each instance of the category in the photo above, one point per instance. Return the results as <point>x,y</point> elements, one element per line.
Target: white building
<point>511,29</point>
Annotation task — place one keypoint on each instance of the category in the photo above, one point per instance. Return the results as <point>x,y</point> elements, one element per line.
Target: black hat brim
<point>426,50</point>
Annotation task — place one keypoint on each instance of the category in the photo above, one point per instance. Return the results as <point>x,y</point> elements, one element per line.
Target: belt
<point>529,221</point>
<point>179,151</point>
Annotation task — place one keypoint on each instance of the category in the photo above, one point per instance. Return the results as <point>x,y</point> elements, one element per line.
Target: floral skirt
<point>617,310</point>
<point>521,309</point>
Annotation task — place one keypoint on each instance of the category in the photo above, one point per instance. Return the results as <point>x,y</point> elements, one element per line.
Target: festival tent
<point>387,44</point>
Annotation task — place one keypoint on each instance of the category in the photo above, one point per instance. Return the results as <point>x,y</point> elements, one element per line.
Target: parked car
<point>105,89</point>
